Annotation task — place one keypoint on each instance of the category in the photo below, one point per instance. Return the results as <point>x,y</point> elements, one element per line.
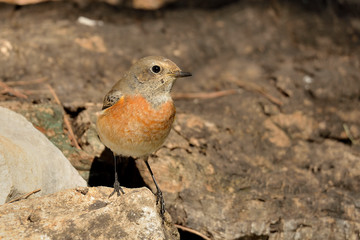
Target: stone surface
<point>149,4</point>
<point>29,161</point>
<point>87,213</point>
<point>293,193</point>
<point>48,118</point>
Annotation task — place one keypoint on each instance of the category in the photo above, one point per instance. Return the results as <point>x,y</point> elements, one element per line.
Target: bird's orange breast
<point>132,127</point>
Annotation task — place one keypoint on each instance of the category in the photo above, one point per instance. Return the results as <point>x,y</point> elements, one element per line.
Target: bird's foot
<point>160,199</point>
<point>117,189</point>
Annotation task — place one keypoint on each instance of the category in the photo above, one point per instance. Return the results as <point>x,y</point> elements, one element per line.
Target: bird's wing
<point>111,98</point>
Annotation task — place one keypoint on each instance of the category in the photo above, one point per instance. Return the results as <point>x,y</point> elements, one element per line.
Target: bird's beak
<point>180,74</point>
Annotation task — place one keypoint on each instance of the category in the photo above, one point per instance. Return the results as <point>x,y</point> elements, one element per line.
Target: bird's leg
<point>159,196</point>
<point>117,187</point>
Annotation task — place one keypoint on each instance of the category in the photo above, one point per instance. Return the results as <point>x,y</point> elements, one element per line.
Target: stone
<point>48,118</point>
<point>87,213</point>
<point>149,4</point>
<point>293,193</point>
<point>29,161</point>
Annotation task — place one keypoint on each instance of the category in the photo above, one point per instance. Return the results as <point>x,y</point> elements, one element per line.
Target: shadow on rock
<point>102,171</point>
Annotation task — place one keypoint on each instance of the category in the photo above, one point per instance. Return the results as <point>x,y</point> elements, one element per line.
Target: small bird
<point>138,112</point>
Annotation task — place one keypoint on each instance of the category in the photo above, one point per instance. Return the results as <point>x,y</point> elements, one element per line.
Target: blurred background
<point>265,144</point>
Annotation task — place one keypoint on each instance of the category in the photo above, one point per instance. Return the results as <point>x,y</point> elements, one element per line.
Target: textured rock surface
<point>29,161</point>
<point>86,213</point>
<point>293,192</point>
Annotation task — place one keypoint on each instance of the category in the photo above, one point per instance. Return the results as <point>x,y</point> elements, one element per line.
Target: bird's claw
<point>117,189</point>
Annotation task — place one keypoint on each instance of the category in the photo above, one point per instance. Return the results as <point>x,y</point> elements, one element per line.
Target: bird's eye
<point>155,69</point>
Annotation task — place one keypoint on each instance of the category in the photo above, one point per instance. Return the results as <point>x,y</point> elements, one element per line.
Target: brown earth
<point>275,157</point>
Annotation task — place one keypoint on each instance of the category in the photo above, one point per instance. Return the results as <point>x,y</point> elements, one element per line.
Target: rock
<point>86,213</point>
<point>275,135</point>
<point>288,190</point>
<point>29,161</point>
<point>149,5</point>
<point>48,118</point>
<point>297,125</point>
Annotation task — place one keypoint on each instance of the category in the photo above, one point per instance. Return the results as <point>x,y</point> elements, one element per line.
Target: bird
<point>138,113</point>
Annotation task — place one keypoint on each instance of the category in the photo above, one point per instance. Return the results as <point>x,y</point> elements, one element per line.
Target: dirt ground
<point>267,136</point>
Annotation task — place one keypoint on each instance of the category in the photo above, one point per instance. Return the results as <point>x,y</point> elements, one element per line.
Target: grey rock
<point>29,161</point>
